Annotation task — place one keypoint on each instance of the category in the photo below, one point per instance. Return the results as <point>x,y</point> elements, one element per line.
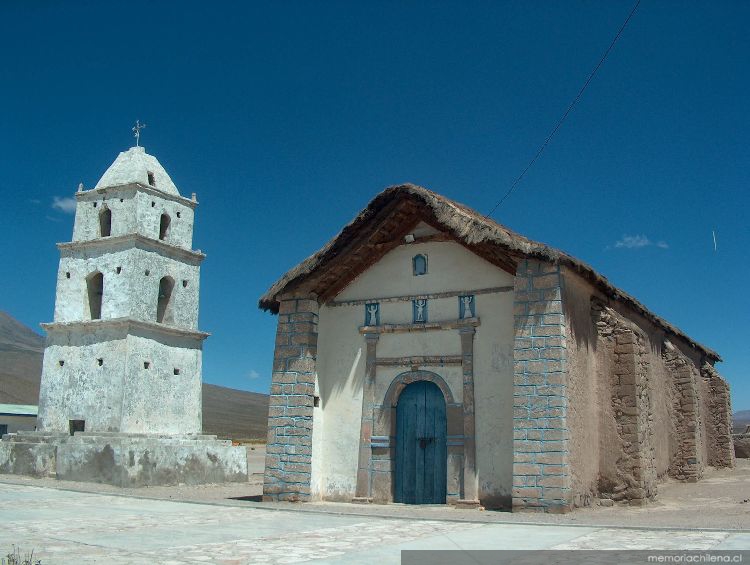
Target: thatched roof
<point>394,212</point>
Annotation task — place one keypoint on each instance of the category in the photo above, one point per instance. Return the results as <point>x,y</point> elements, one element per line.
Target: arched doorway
<point>421,449</point>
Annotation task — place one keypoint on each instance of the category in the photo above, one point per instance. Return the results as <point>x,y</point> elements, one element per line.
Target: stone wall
<point>719,419</point>
<point>133,212</point>
<point>687,464</point>
<point>634,476</point>
<point>291,402</point>
<point>658,413</point>
<point>124,460</point>
<point>118,378</point>
<point>541,474</point>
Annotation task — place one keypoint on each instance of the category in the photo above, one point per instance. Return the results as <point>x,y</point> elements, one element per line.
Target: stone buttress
<point>541,471</point>
<point>291,402</point>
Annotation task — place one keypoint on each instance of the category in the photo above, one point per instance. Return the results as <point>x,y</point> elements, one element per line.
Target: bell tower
<point>120,398</point>
<point>124,351</point>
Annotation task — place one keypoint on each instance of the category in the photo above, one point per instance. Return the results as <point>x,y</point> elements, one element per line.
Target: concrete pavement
<point>76,527</point>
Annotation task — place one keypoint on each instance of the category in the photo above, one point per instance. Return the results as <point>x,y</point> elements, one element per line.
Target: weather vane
<point>137,131</point>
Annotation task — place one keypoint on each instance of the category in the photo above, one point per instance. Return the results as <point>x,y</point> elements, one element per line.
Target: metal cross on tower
<point>137,131</point>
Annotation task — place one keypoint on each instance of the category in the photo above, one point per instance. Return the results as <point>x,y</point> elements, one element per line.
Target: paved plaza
<point>78,527</point>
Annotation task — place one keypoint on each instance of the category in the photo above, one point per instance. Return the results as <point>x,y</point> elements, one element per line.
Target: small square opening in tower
<point>100,361</point>
<point>146,364</point>
<point>176,371</point>
<point>67,275</point>
<point>76,426</point>
<point>119,270</point>
<point>61,362</point>
<point>184,283</point>
<point>316,401</point>
<point>151,179</point>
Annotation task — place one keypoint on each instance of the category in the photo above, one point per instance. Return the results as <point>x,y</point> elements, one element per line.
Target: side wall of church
<point>342,363</point>
<point>656,406</point>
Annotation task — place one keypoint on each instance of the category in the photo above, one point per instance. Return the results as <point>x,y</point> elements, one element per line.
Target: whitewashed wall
<point>341,359</point>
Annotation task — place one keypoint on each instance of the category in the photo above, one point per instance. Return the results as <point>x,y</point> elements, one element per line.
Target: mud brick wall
<point>688,463</point>
<point>291,401</point>
<point>629,383</point>
<point>541,473</point>
<point>718,419</point>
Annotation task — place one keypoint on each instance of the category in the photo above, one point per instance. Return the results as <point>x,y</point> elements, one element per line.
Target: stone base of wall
<point>124,460</point>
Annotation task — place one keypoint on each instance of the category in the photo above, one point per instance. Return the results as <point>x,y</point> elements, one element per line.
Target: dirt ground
<point>720,500</point>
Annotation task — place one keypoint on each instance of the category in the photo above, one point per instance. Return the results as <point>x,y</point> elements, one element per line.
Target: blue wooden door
<point>421,452</point>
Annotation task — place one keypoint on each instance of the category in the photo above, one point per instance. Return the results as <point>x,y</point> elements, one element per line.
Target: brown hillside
<point>227,412</point>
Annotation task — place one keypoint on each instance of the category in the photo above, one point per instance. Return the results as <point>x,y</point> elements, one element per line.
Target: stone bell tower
<point>120,397</point>
<point>124,352</point>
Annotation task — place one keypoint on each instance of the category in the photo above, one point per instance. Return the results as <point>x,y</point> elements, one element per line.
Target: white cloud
<point>253,375</point>
<point>633,241</point>
<point>66,204</point>
<point>638,241</point>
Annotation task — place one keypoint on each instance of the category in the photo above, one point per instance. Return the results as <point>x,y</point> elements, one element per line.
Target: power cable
<point>565,115</point>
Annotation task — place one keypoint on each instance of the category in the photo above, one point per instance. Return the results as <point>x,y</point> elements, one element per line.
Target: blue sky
<point>287,118</point>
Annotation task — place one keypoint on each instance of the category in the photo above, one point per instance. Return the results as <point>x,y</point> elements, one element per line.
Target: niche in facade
<point>466,306</point>
<point>165,308</point>
<point>372,314</point>
<point>76,426</point>
<point>95,291</point>
<point>164,226</point>
<point>419,264</point>
<point>151,178</point>
<point>419,311</point>
<point>105,222</point>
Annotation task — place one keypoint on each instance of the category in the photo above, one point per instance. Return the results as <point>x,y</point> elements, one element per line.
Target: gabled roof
<point>393,213</point>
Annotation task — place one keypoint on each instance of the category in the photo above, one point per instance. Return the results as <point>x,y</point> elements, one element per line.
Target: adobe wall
<point>642,405</point>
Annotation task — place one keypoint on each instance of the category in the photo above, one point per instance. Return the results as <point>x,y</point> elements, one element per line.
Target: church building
<point>430,355</point>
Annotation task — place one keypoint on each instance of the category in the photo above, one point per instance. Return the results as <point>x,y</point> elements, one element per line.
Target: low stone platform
<point>124,460</point>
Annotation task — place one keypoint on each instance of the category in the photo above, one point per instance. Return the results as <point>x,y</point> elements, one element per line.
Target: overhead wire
<point>567,111</point>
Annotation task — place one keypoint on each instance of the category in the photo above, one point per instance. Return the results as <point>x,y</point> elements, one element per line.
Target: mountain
<point>235,414</point>
<point>740,420</point>
<point>21,352</point>
<point>227,412</point>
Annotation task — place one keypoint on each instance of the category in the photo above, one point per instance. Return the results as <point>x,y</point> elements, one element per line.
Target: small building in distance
<point>428,354</point>
<point>16,417</point>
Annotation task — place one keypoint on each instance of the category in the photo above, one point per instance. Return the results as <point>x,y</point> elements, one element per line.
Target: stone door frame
<point>382,445</point>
